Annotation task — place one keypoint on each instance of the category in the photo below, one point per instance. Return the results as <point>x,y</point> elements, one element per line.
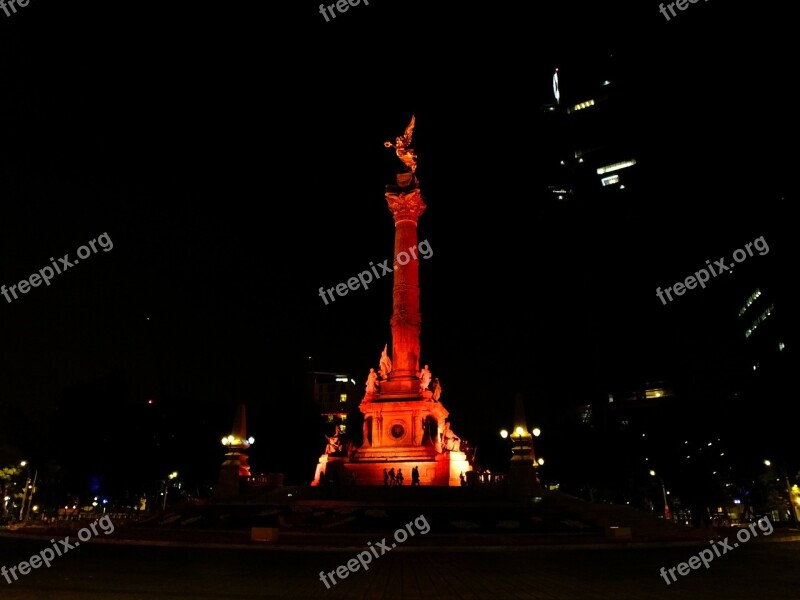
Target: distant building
<point>335,396</point>
<point>762,329</point>
<point>639,408</point>
<point>585,129</point>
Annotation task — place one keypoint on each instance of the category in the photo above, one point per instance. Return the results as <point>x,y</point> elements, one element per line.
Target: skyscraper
<point>586,129</point>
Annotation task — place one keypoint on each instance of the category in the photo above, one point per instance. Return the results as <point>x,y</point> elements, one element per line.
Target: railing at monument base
<point>485,478</point>
<point>263,480</point>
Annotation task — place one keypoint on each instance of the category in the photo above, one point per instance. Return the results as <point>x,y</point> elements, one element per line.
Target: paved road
<point>762,570</point>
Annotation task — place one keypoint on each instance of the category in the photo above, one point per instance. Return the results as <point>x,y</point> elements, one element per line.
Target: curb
<point>406,549</point>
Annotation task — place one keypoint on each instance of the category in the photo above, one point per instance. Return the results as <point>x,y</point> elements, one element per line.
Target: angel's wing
<point>409,131</point>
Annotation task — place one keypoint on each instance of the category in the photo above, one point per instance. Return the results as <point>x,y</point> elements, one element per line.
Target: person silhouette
<point>400,477</point>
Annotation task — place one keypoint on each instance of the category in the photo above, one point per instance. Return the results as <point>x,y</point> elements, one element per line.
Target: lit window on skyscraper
<point>616,166</point>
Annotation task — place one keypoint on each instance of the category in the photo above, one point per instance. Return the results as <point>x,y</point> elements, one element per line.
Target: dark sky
<point>233,153</point>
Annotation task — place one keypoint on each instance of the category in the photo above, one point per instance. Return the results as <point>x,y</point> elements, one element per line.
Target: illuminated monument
<point>405,425</point>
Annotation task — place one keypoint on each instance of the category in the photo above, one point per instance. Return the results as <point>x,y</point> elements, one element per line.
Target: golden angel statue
<point>402,147</point>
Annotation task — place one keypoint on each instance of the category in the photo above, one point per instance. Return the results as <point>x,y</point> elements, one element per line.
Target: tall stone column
<point>406,208</point>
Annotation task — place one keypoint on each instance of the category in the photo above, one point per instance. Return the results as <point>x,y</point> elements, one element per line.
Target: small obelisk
<point>235,465</point>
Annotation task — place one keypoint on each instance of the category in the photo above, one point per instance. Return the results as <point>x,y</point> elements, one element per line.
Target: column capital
<point>406,206</point>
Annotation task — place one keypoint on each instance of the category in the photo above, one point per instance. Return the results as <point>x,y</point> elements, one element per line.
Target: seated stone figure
<point>334,445</point>
<point>450,441</point>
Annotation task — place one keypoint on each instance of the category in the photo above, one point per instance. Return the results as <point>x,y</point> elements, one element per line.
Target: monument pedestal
<point>401,432</point>
<point>443,469</point>
<point>228,485</point>
<point>523,480</point>
<point>397,422</point>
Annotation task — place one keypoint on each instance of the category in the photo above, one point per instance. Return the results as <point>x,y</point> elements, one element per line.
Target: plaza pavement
<point>764,568</point>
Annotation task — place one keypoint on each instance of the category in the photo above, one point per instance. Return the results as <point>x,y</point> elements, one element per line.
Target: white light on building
<point>556,93</point>
<point>616,166</point>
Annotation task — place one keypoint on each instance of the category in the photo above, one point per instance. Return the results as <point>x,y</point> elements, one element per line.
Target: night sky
<point>234,155</point>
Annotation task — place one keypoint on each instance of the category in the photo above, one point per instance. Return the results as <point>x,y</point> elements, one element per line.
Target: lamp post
<point>667,514</point>
<point>171,476</point>
<point>522,449</point>
<point>235,472</point>
<point>24,463</point>
<point>792,509</point>
<point>518,447</point>
<point>33,491</point>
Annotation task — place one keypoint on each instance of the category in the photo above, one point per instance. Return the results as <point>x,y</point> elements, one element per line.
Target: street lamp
<point>28,486</point>
<point>792,509</point>
<point>30,498</point>
<point>667,514</point>
<point>523,473</point>
<point>24,463</point>
<point>171,476</point>
<point>522,443</point>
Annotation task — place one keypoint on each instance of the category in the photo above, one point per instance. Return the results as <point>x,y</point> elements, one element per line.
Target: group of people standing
<point>392,478</point>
